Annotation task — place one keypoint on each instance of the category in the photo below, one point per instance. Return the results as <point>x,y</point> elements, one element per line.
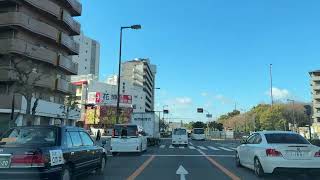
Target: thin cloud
<point>279,94</point>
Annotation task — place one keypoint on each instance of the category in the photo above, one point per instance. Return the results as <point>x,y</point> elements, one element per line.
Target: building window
<point>86,51</point>
<point>134,106</point>
<point>318,119</point>
<point>135,96</point>
<point>85,67</point>
<point>123,91</point>
<point>86,59</point>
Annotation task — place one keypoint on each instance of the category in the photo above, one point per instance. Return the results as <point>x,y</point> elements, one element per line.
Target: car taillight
<point>28,160</point>
<point>317,154</point>
<point>273,153</point>
<point>113,132</point>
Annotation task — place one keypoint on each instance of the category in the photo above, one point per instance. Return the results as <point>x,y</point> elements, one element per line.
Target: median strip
<point>219,166</point>
<point>140,169</point>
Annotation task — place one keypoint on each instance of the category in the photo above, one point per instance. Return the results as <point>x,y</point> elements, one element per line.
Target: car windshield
<point>281,138</point>
<point>179,132</point>
<point>198,131</point>
<point>29,136</point>
<point>123,130</point>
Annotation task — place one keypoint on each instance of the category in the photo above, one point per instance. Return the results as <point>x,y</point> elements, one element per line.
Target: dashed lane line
<point>171,147</point>
<point>192,147</point>
<point>162,146</point>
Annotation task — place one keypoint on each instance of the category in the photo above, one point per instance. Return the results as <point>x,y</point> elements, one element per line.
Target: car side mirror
<point>243,141</point>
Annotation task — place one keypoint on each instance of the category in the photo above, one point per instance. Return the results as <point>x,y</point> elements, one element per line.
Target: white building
<point>89,55</point>
<point>127,87</point>
<point>141,74</point>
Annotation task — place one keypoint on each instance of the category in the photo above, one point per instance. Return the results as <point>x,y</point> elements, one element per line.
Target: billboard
<point>107,98</point>
<point>107,115</point>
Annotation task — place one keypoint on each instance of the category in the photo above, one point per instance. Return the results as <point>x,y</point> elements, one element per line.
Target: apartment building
<point>89,55</point>
<point>36,40</point>
<point>141,73</point>
<point>315,91</point>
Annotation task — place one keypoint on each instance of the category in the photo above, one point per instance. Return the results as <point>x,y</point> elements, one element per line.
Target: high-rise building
<point>36,48</point>
<point>89,55</point>
<point>141,73</point>
<point>315,91</point>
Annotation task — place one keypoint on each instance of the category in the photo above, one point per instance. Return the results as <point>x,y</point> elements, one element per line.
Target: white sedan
<point>267,152</point>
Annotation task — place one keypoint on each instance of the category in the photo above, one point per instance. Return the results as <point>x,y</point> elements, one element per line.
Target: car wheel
<point>102,165</point>
<point>238,163</point>
<point>258,170</point>
<point>66,174</point>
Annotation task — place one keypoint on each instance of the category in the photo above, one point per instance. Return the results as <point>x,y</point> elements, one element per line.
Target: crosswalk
<point>206,148</point>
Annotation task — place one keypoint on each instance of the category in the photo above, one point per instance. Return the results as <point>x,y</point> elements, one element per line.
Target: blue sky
<point>212,53</point>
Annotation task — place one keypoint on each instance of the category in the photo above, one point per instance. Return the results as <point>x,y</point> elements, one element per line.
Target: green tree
<point>198,124</point>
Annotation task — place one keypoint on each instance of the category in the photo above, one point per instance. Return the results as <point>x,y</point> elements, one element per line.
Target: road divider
<point>140,169</point>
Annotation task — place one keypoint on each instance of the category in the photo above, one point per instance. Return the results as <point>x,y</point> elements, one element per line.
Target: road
<point>203,160</point>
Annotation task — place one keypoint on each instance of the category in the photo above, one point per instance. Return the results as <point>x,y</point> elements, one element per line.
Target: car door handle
<point>72,153</point>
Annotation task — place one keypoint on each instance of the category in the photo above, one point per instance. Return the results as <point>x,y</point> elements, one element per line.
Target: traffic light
<point>308,110</point>
<point>165,111</point>
<point>200,110</point>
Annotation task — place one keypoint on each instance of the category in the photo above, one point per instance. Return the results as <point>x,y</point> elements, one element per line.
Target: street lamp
<point>136,27</point>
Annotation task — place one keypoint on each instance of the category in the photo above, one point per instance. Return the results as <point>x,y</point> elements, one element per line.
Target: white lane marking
<point>181,147</point>
<point>186,155</point>
<point>182,172</point>
<point>223,148</point>
<point>191,143</point>
<point>201,152</point>
<point>203,148</point>
<point>192,147</point>
<point>171,147</point>
<point>213,148</point>
<point>162,146</point>
<point>234,148</point>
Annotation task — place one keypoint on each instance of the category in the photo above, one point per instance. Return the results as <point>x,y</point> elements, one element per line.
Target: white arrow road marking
<point>182,172</point>
<point>213,148</point>
<point>181,147</point>
<point>171,147</point>
<point>203,148</point>
<point>192,147</point>
<point>162,146</point>
<point>223,148</point>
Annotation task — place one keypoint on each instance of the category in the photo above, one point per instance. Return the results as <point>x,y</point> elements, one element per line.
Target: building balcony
<point>316,96</point>
<point>6,101</point>
<point>6,76</point>
<point>315,78</point>
<point>74,6</point>
<point>21,47</point>
<point>45,6</point>
<point>68,65</point>
<point>65,86</point>
<point>19,19</point>
<point>316,115</point>
<point>316,87</point>
<point>72,24</point>
<point>69,43</point>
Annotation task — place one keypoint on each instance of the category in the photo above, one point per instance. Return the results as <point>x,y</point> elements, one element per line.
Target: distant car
<point>49,152</point>
<point>128,138</point>
<point>180,137</point>
<point>198,134</point>
<point>277,151</point>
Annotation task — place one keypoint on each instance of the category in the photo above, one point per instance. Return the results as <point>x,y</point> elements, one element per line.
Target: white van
<point>180,137</point>
<point>128,138</point>
<point>198,134</point>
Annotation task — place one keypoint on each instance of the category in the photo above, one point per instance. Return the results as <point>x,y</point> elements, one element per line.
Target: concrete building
<point>89,55</point>
<point>36,39</point>
<point>141,73</point>
<point>315,91</point>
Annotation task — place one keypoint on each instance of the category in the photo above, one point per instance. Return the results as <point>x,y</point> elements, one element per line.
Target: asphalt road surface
<point>201,160</point>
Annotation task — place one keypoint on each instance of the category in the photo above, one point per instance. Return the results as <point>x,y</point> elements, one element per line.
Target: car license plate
<point>295,153</point>
<point>5,161</point>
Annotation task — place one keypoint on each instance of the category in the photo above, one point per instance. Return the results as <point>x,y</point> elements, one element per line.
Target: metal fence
<point>226,135</point>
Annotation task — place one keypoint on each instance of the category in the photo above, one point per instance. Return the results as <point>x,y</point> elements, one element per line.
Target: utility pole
<point>293,114</point>
<point>271,85</point>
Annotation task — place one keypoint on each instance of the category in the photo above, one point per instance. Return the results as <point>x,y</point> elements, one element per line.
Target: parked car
<point>49,152</point>
<point>276,151</point>
<point>180,137</point>
<point>198,134</point>
<point>128,138</point>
